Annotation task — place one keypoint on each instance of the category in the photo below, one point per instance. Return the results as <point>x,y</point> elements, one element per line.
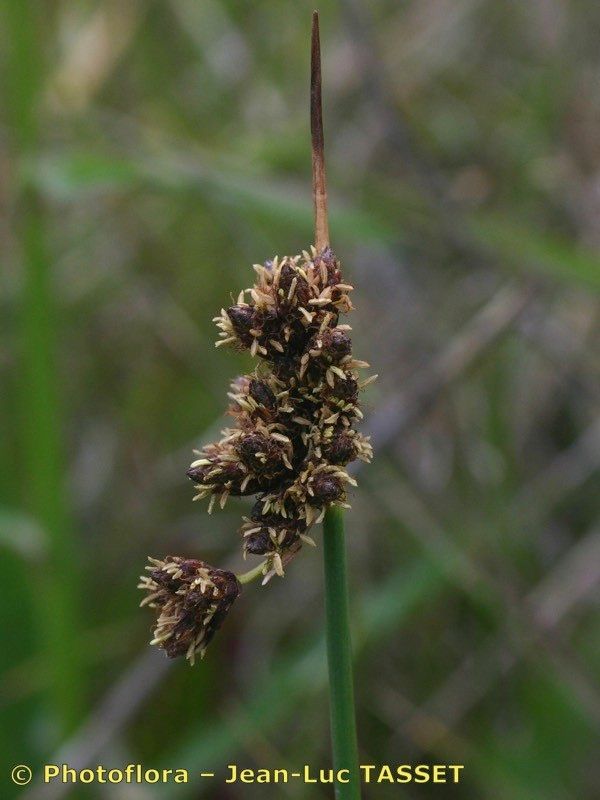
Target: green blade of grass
<point>535,251</point>
<point>68,177</point>
<point>54,588</point>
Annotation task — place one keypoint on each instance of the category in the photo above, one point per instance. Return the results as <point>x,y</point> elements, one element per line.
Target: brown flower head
<point>295,416</point>
<point>293,435</point>
<point>191,599</point>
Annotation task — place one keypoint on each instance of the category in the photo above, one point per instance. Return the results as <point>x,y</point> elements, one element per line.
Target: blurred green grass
<point>153,151</point>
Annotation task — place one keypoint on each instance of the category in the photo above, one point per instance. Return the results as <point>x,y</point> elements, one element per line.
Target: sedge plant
<point>293,435</point>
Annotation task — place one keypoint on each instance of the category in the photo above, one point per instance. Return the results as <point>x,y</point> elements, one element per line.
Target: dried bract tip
<point>191,599</point>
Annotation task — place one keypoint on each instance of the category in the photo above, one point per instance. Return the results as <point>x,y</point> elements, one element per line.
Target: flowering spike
<point>294,418</point>
<point>192,600</point>
<point>294,422</point>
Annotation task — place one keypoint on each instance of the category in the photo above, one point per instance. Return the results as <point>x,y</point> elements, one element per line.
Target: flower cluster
<point>292,438</point>
<point>192,599</point>
<point>294,416</point>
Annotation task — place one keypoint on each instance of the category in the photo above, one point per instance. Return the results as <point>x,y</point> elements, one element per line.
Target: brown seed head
<point>241,319</point>
<point>191,599</point>
<point>261,453</point>
<point>341,449</point>
<point>327,488</point>
<point>262,394</point>
<point>336,344</point>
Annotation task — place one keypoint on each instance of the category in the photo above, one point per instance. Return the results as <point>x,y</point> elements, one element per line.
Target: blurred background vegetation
<point>151,151</point>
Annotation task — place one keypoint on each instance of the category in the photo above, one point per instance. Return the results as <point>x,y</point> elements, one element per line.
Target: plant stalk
<point>252,574</point>
<point>339,655</point>
<point>337,621</point>
<point>55,588</point>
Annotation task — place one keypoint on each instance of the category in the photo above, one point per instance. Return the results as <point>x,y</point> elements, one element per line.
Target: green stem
<point>55,586</point>
<point>252,574</point>
<point>339,656</point>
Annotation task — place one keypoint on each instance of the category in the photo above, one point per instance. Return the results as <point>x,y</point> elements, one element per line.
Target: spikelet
<point>294,416</point>
<point>191,599</point>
